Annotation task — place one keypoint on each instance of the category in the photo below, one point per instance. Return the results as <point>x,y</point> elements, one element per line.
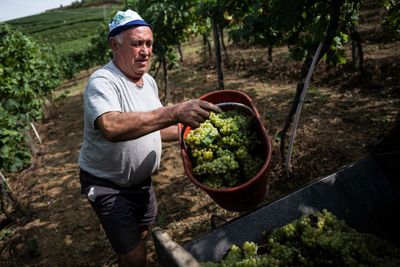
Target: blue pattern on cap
<point>126,26</point>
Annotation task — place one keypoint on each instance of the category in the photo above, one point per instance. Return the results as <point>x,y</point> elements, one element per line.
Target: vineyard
<point>69,30</point>
<point>352,101</point>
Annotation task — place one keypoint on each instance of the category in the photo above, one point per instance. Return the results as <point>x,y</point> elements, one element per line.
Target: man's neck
<point>135,79</point>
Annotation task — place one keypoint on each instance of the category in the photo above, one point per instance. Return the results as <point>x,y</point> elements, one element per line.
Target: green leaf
<point>4,233</point>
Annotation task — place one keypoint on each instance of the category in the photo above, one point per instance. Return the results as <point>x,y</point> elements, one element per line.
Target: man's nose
<point>144,49</point>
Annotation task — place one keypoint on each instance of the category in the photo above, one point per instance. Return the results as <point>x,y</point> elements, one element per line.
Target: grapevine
<point>29,71</point>
<point>318,239</point>
<point>223,149</point>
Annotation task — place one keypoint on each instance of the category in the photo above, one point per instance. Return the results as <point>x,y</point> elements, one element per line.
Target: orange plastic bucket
<point>249,194</point>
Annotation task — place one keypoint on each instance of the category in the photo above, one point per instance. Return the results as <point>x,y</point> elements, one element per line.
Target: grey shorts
<point>122,211</point>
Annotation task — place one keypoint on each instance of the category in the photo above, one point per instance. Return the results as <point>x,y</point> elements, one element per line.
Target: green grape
<point>201,136</point>
<point>222,166</point>
<point>208,155</point>
<point>249,248</point>
<point>223,149</point>
<point>251,165</point>
<point>234,254</point>
<point>318,239</point>
<point>201,155</point>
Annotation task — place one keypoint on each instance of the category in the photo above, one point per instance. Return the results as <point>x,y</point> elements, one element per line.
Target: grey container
<point>365,194</point>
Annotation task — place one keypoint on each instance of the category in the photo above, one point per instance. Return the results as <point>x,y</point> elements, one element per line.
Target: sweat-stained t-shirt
<point>123,163</point>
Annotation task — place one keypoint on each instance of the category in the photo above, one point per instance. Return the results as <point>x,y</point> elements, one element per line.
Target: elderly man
<point>124,126</point>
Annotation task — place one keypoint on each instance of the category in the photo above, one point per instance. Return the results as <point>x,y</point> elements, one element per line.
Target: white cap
<point>124,20</point>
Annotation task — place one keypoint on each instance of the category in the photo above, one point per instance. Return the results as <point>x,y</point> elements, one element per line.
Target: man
<point>124,126</point>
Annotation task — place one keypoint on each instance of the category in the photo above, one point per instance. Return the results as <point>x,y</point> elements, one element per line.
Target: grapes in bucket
<point>229,155</point>
<point>223,149</point>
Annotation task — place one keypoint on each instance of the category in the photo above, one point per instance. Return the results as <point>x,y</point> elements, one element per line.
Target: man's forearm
<point>119,127</point>
<point>169,134</point>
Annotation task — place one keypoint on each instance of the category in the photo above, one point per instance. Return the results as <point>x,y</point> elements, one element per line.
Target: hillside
<point>344,115</point>
<point>70,28</point>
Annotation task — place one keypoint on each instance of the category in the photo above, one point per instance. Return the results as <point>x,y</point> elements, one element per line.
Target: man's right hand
<point>194,112</point>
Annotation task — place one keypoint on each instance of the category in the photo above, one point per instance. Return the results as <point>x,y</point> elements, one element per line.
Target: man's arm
<point>117,126</point>
<point>169,134</point>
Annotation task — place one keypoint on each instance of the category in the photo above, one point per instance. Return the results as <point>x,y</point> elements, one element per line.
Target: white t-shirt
<point>123,163</point>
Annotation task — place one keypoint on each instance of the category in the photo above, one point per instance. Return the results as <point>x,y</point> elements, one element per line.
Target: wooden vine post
<point>7,192</point>
<point>331,31</point>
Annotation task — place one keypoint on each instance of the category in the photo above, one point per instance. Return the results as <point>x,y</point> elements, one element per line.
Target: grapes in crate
<point>223,149</point>
<point>318,239</point>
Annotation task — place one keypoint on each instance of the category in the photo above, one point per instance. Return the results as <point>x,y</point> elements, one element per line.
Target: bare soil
<point>345,114</point>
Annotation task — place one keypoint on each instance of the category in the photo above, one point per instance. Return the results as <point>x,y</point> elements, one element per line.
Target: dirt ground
<point>344,115</point>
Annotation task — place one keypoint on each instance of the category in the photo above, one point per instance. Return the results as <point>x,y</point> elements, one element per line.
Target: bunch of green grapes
<point>202,136</point>
<point>245,256</point>
<point>223,149</point>
<point>319,239</point>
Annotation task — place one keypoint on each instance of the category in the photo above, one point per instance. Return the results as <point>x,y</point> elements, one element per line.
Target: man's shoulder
<point>106,69</point>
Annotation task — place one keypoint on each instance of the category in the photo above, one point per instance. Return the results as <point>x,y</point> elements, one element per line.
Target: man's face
<point>132,51</point>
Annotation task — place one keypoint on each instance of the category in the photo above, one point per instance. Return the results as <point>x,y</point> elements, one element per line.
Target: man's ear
<point>113,43</point>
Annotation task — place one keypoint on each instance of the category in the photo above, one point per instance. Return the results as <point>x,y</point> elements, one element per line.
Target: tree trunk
<point>165,70</point>
<point>356,50</point>
<point>223,44</point>
<point>157,69</point>
<point>207,47</point>
<point>179,47</point>
<point>330,34</point>
<point>217,47</point>
<point>270,53</point>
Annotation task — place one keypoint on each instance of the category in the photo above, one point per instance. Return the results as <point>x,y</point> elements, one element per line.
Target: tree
<point>320,21</point>
<point>173,22</point>
<point>302,26</point>
<point>214,9</point>
<point>391,23</point>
